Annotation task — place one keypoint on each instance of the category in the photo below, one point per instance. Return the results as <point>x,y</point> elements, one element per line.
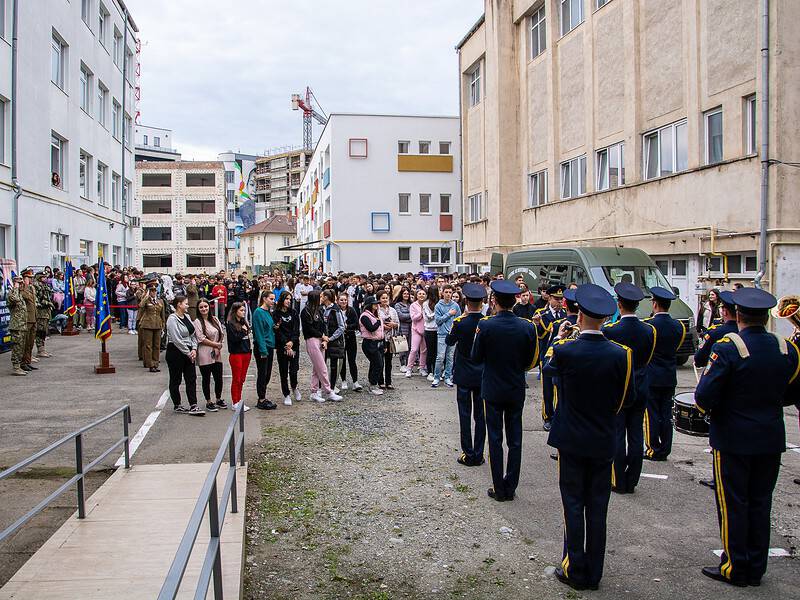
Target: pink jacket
<point>417,318</point>
<point>370,335</point>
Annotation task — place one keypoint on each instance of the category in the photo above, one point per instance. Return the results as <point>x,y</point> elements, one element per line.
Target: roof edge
<point>472,30</point>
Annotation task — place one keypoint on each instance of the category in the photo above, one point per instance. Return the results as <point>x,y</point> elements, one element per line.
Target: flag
<point>69,290</point>
<point>102,314</point>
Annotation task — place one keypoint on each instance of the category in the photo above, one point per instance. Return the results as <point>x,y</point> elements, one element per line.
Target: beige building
<point>634,123</point>
<point>259,245</point>
<point>278,178</point>
<point>183,216</point>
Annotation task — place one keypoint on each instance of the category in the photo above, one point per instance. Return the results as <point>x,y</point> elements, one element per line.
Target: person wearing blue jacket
<point>444,313</point>
<point>264,348</point>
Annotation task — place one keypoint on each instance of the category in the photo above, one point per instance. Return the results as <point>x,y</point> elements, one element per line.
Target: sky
<point>221,74</point>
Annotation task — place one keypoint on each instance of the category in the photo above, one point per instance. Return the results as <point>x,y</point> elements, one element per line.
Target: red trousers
<point>239,364</point>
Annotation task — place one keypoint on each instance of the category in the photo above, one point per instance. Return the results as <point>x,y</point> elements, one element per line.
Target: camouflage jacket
<point>44,302</point>
<point>19,312</point>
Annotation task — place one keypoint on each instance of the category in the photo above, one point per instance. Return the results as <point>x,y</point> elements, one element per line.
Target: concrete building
<point>183,216</point>
<point>259,245</point>
<point>382,193</point>
<point>73,118</point>
<point>278,178</point>
<point>240,187</point>
<point>635,123</point>
<point>154,143</point>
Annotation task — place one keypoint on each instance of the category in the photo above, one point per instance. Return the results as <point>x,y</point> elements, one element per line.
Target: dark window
<point>156,234</point>
<point>404,253</point>
<point>156,207</point>
<point>750,264</point>
<point>579,276</point>
<point>735,263</point>
<point>201,260</point>
<point>200,180</point>
<point>155,261</point>
<point>553,274</point>
<point>206,207</point>
<point>663,266</point>
<point>201,233</point>
<point>714,264</point>
<point>679,268</point>
<point>156,179</point>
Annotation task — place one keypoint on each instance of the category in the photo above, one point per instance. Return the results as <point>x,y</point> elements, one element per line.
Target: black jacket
<point>288,328</point>
<point>641,339</point>
<point>238,340</point>
<point>350,322</point>
<point>313,323</point>
<point>466,372</point>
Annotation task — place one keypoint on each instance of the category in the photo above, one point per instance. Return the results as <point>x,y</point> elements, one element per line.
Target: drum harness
<point>742,347</point>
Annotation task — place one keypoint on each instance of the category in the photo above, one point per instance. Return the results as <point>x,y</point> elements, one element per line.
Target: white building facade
<point>154,143</point>
<point>260,245</point>
<point>382,193</point>
<point>73,113</point>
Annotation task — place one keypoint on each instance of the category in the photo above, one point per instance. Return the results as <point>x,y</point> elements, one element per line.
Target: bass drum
<point>687,417</point>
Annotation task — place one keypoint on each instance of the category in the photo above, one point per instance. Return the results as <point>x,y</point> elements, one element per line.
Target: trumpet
<point>571,332</point>
<point>788,307</point>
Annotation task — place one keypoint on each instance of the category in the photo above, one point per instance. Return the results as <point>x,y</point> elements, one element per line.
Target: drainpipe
<point>14,179</point>
<point>124,103</point>
<point>762,242</point>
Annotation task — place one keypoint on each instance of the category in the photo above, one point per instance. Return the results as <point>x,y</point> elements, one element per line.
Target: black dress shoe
<point>25,368</point>
<point>709,483</point>
<point>155,370</point>
<point>562,577</point>
<point>715,574</point>
<point>463,460</point>
<point>266,405</point>
<point>499,497</point>
<point>32,368</point>
<point>754,582</point>
<point>656,458</point>
<point>617,490</point>
<point>547,426</point>
<point>554,455</point>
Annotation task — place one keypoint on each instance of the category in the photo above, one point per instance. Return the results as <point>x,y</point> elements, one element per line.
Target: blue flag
<point>69,290</point>
<point>102,315</point>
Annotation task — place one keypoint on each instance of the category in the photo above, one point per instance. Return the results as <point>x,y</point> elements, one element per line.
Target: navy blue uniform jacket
<point>641,339</point>
<point>669,337</point>
<point>466,372</point>
<point>714,334</point>
<point>744,397</point>
<point>508,347</point>
<point>593,377</point>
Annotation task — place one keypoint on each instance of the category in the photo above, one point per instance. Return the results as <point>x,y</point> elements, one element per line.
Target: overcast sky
<point>221,75</point>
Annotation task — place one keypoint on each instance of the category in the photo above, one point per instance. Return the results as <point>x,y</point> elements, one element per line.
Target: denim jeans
<point>444,358</point>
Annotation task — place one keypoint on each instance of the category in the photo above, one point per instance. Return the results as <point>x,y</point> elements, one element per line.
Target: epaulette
<point>714,326</point>
<point>611,323</point>
<point>487,317</point>
<point>623,346</point>
<point>724,338</point>
<point>647,319</point>
<point>564,341</point>
<point>459,317</point>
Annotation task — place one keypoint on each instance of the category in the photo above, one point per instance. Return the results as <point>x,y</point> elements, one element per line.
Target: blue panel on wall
<point>381,221</point>
<point>328,252</point>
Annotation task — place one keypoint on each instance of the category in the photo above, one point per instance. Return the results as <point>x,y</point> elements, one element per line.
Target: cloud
<point>221,75</point>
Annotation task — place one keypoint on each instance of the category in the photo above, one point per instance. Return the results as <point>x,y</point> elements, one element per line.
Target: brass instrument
<point>788,307</point>
<point>572,332</point>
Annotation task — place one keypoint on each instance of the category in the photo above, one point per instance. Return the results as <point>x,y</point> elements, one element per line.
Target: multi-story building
<point>72,122</point>
<point>635,123</point>
<point>278,178</point>
<point>154,143</point>
<point>382,193</point>
<point>183,216</point>
<point>260,244</point>
<point>240,187</point>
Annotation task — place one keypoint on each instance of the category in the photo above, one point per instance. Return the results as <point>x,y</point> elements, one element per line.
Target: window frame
<point>101,175</point>
<point>449,147</point>
<point>534,180</point>
<point>85,87</point>
<point>428,196</point>
<point>474,75</point>
<point>600,170</point>
<point>400,146</point>
<point>84,164</point>
<point>116,120</point>
<point>475,201</point>
<point>4,108</point>
<point>751,125</point>
<point>658,132</point>
<point>707,142</point>
<point>102,104</point>
<point>116,192</point>
<point>57,145</point>
<point>449,210</point>
<point>400,203</point>
<point>400,250</point>
<point>566,167</point>
<point>537,25</point>
<point>58,50</point>
<point>103,19</point>
<point>117,48</point>
<point>424,144</point>
<point>582,18</point>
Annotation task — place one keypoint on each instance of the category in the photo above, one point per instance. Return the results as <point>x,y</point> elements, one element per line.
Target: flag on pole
<point>69,290</point>
<point>102,315</point>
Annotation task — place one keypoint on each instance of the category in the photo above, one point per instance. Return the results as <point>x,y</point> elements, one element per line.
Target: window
<point>3,35</point>
<point>286,240</point>
<point>59,246</point>
<point>425,204</point>
<point>86,90</point>
<point>231,215</point>
<point>117,48</point>
<point>573,177</point>
<point>126,187</point>
<point>571,15</point>
<point>679,268</point>
<point>157,141</point>
<point>156,207</point>
<point>156,261</point>
<point>2,132</point>
<point>85,248</point>
<point>144,139</point>
<point>86,10</point>
<point>424,147</point>
<point>380,221</point>
<point>229,194</point>
<point>434,256</point>
<point>200,180</point>
<point>403,204</point>
<point>201,233</point>
<point>404,254</point>
<point>129,65</point>
<point>665,151</point>
<point>102,24</point>
<point>602,3</point>
<point>228,175</point>
<point>538,33</point>
<point>475,207</point>
<point>115,192</point>
<point>402,147</point>
<point>157,234</point>
<point>205,207</point>
<point>357,148</point>
<point>101,184</point>
<point>102,103</point>
<point>201,260</point>
<point>57,161</point>
<point>713,138</point>
<point>444,147</point>
<point>475,86</point>
<point>116,119</point>
<point>116,253</point>
<point>444,204</point>
<point>57,61</point>
<point>610,167</point>
<point>537,189</point>
<point>83,172</point>
<point>156,179</point>
<point>128,129</point>
<point>663,266</point>
<point>751,136</point>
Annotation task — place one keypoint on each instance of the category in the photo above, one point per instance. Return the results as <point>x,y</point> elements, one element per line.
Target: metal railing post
<point>79,471</point>
<point>232,451</point>
<point>126,419</point>
<point>213,523</point>
<point>241,432</point>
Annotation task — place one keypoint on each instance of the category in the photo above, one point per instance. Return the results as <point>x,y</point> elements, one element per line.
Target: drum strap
<point>782,345</point>
<point>739,343</point>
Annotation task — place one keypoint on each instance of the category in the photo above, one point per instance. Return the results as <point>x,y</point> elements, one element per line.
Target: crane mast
<point>309,113</point>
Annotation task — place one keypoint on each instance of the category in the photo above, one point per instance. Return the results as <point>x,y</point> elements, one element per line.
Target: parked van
<point>605,267</point>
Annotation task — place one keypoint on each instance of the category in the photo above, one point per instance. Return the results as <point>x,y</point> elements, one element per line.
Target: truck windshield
<point>643,277</point>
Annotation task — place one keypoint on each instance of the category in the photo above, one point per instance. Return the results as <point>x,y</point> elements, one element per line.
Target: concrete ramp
<point>125,545</point>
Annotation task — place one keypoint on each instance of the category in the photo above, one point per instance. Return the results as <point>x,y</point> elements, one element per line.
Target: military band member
<point>548,397</point>
<point>641,339</point>
<point>29,296</point>
<point>717,330</point>
<point>508,347</point>
<point>662,375</point>
<point>154,317</point>
<point>750,377</point>
<point>44,309</point>
<point>17,325</point>
<point>594,380</point>
<point>467,377</point>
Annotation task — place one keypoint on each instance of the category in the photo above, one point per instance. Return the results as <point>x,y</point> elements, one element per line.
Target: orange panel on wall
<point>427,163</point>
<point>445,222</point>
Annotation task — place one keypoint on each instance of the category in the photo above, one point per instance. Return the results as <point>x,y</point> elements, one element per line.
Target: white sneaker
<point>334,397</point>
<point>435,383</point>
<point>297,395</point>
<point>448,382</point>
<point>344,385</point>
<point>336,390</point>
<point>245,408</point>
<point>131,332</point>
<point>316,397</point>
<point>423,372</point>
<point>376,391</point>
<point>287,400</point>
<point>408,372</point>
<point>430,377</point>
<point>357,387</point>
<point>403,369</point>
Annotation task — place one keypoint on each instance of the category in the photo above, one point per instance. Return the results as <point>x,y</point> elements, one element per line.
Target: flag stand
<point>70,328</point>
<point>105,365</point>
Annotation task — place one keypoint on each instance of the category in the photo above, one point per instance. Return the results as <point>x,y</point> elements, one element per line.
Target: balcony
<point>262,185</point>
<point>425,163</point>
<point>326,178</point>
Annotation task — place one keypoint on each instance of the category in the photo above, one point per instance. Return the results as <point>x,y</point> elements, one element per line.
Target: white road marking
<point>137,439</point>
<point>654,476</point>
<point>163,400</point>
<point>707,450</point>
<point>773,552</point>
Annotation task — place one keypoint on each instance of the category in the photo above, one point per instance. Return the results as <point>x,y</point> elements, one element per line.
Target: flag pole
<point>102,319</point>
<point>69,295</point>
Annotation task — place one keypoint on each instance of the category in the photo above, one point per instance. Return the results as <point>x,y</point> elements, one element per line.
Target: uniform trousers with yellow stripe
<point>585,484</point>
<point>658,422</point>
<point>744,486</point>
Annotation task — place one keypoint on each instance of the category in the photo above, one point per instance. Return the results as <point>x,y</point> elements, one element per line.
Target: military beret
<point>662,293</point>
<point>27,273</point>
<point>503,286</point>
<point>595,301</point>
<point>628,291</point>
<point>753,300</point>
<point>474,291</point>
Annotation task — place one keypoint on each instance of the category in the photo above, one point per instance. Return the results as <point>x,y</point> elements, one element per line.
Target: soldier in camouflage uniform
<point>44,308</point>
<point>18,325</point>
<point>29,296</point>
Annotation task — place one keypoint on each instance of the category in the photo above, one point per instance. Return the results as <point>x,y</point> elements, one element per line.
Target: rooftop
<point>274,224</point>
<point>179,165</point>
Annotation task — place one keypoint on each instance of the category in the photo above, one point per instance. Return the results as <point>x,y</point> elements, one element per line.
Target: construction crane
<point>309,112</point>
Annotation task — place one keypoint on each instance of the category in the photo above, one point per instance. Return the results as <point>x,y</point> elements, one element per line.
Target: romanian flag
<point>102,314</point>
<point>69,290</point>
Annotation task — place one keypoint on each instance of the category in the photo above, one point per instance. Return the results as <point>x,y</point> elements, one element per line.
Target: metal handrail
<point>80,469</point>
<point>208,499</point>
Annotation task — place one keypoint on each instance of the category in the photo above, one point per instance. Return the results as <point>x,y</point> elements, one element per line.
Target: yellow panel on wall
<point>427,163</point>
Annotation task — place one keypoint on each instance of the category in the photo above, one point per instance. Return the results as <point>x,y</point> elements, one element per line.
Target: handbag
<point>336,348</point>
<point>398,344</point>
